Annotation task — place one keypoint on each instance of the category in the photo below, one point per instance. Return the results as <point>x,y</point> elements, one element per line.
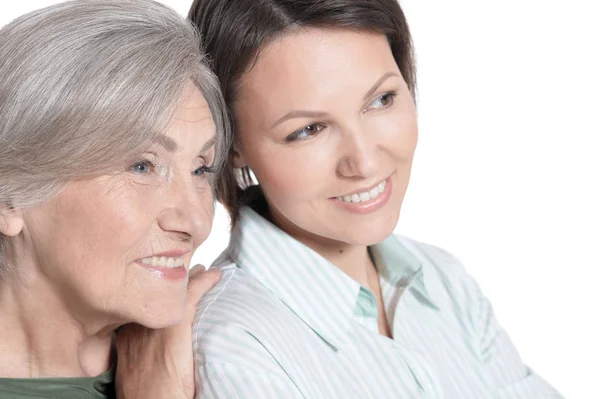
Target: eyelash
<point>146,162</point>
<point>205,170</point>
<point>391,95</point>
<point>296,135</point>
<point>151,165</point>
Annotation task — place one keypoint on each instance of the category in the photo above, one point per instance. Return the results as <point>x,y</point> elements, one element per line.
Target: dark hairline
<point>245,28</point>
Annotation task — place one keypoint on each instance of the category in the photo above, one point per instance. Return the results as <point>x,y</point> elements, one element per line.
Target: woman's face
<point>328,126</point>
<point>118,247</point>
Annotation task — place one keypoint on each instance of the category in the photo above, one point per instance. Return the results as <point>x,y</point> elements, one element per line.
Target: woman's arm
<point>235,358</point>
<point>227,380</point>
<point>510,376</point>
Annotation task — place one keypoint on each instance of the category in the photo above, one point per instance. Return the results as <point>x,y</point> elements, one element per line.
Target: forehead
<point>192,106</point>
<point>192,118</point>
<point>311,63</point>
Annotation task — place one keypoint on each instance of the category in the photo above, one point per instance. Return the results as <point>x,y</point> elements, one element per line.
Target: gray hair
<point>86,85</point>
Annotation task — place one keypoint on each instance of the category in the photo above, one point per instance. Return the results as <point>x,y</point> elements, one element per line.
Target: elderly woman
<point>318,298</point>
<point>111,130</point>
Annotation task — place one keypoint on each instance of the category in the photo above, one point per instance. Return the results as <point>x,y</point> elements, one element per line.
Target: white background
<point>506,175</point>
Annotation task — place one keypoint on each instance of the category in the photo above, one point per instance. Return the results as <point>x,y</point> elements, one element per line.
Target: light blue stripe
<point>283,322</point>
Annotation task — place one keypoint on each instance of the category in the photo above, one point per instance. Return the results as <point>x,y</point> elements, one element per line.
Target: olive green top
<point>101,387</point>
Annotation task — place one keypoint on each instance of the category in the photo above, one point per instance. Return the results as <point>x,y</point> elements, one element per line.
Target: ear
<point>238,158</point>
<point>11,221</point>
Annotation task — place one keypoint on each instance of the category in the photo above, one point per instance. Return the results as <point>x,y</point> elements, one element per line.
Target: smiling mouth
<point>364,196</point>
<point>163,261</point>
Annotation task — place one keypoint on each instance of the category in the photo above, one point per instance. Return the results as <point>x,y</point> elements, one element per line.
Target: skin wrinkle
<point>77,253</point>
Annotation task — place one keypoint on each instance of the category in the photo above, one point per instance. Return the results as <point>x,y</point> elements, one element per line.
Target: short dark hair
<point>234,32</point>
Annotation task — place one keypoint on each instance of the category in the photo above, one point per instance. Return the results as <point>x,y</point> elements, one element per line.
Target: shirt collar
<point>312,287</point>
<point>397,264</point>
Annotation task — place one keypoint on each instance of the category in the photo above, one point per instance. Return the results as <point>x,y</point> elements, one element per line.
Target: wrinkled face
<point>328,126</point>
<point>119,246</point>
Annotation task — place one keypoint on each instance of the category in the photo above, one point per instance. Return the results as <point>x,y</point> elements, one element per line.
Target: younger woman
<point>318,299</point>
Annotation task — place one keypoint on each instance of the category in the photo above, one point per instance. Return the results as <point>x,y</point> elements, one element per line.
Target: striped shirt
<point>283,322</point>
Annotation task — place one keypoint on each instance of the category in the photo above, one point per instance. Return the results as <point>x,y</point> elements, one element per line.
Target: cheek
<point>127,214</point>
<point>110,223</point>
<point>399,135</point>
<point>291,172</point>
<point>206,210</point>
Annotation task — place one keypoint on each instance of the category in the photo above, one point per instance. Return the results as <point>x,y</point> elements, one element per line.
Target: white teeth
<point>163,261</point>
<point>365,196</point>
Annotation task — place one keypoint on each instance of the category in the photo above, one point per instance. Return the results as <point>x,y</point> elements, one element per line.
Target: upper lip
<point>173,253</point>
<point>363,190</point>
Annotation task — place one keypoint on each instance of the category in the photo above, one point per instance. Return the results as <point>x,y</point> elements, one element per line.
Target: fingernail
<point>197,269</point>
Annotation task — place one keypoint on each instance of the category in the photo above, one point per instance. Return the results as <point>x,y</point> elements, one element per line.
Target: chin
<point>164,320</point>
<point>372,232</point>
<point>161,314</point>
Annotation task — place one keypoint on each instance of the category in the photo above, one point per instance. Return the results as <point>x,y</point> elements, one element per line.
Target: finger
<point>202,281</point>
<point>197,269</point>
<point>199,284</point>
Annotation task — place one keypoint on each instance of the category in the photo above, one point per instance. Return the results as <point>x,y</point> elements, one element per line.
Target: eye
<point>201,171</point>
<point>142,167</point>
<point>382,101</point>
<point>305,133</point>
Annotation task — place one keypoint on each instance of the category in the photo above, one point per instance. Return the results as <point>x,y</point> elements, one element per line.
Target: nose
<point>360,154</point>
<point>188,210</point>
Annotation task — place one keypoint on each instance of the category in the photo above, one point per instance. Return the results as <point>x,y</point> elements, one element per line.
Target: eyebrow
<point>319,114</point>
<point>209,144</point>
<point>170,145</point>
<point>167,143</point>
<point>300,114</point>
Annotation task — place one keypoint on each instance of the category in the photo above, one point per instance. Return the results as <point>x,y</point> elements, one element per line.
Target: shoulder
<point>445,277</point>
<point>237,298</point>
<point>239,319</point>
<point>435,260</point>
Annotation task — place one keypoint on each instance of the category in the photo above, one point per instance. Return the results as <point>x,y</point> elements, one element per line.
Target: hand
<point>157,364</point>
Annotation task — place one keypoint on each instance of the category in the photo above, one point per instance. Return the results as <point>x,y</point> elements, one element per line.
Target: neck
<point>42,336</point>
<point>353,260</point>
